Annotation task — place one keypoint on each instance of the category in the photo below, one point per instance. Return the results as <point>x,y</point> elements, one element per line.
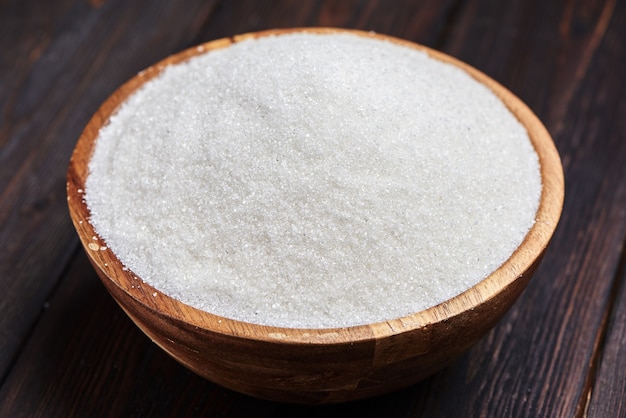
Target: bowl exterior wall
<point>317,373</point>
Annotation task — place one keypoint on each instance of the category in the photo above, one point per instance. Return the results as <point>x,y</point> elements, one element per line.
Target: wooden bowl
<point>318,365</point>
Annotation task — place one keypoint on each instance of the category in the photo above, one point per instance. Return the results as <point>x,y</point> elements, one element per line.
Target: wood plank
<point>74,54</point>
<point>22,303</point>
<point>607,396</point>
<point>421,22</point>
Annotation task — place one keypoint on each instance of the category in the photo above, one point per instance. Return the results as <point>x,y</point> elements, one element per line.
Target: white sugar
<point>313,181</point>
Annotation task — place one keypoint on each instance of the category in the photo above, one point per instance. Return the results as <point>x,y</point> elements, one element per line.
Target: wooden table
<point>66,349</point>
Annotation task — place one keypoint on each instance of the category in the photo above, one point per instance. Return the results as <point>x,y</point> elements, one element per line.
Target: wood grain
<point>421,22</point>
<point>606,391</point>
<point>606,396</point>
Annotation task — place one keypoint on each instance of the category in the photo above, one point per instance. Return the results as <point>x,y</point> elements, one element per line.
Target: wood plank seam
<point>601,335</point>
<point>57,284</point>
<point>452,16</point>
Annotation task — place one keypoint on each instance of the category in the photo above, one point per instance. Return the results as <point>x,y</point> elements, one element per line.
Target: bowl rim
<point>517,265</point>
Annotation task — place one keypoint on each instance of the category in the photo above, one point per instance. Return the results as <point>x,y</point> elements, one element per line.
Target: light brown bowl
<point>319,365</point>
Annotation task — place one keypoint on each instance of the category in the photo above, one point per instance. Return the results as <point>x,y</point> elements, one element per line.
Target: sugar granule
<point>313,181</point>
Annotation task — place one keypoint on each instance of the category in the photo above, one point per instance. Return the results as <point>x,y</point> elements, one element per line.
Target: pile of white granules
<point>313,181</point>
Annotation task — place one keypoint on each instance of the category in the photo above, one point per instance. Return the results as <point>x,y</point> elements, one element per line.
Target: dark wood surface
<point>66,348</point>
